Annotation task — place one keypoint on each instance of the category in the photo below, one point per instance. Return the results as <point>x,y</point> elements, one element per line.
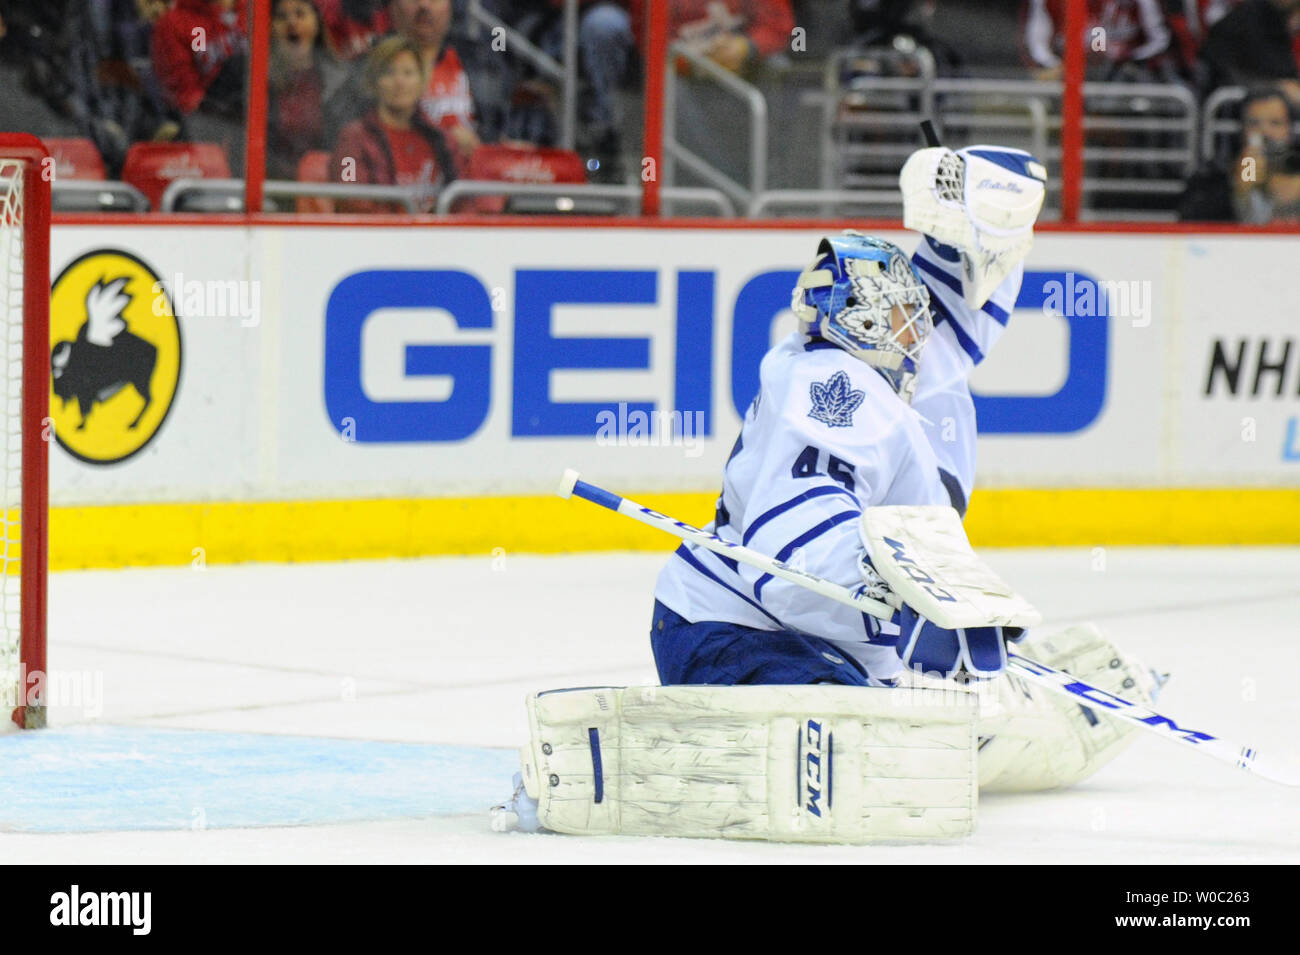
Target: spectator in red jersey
<point>304,84</point>
<point>1125,39</point>
<point>199,48</point>
<point>735,34</point>
<point>353,26</point>
<point>200,52</point>
<point>394,144</point>
<point>447,101</point>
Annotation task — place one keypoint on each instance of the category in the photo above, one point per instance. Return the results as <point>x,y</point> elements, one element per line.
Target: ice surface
<point>222,710</point>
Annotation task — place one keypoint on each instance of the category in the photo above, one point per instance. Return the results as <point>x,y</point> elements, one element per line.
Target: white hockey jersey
<point>825,437</point>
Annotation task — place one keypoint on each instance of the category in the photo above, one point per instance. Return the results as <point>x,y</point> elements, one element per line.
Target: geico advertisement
<point>491,359</point>
<point>334,362</point>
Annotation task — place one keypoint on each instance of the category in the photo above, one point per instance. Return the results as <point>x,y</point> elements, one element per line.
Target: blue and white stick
<point>570,485</point>
<point>1242,757</point>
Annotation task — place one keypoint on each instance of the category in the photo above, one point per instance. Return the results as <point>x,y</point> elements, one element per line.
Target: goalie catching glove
<point>981,200</point>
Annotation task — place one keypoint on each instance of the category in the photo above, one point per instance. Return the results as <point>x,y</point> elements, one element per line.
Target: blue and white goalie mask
<point>864,295</point>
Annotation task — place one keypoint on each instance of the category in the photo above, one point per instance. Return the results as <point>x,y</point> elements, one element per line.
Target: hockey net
<point>24,401</point>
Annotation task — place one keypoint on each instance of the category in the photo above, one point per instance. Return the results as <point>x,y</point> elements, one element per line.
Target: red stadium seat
<point>518,164</point>
<point>314,167</point>
<point>151,167</point>
<point>76,158</point>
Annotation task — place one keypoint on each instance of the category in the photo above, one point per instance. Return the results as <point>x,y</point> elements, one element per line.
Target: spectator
<point>1252,44</point>
<point>353,26</point>
<point>305,85</point>
<point>393,144</point>
<point>1266,178</point>
<point>898,24</point>
<point>1126,39</point>
<point>1190,22</point>
<point>134,21</point>
<point>447,101</point>
<point>200,55</point>
<point>199,48</point>
<point>606,55</point>
<point>735,34</point>
<point>74,60</point>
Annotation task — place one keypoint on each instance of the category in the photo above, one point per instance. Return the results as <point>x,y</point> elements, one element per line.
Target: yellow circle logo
<point>115,358</point>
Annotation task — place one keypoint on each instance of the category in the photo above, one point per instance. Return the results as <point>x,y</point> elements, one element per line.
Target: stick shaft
<point>1242,757</point>
<point>770,565</point>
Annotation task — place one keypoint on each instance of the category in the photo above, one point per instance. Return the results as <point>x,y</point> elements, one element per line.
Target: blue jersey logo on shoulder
<point>835,400</point>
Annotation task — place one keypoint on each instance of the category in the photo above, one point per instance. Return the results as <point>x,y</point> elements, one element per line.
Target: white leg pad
<point>825,764</point>
<point>1037,739</point>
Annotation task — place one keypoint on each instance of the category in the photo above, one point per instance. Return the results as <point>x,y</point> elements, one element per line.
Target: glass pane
<point>410,95</point>
<point>127,90</point>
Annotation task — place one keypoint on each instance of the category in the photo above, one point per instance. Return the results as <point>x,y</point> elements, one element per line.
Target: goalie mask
<point>864,295</point>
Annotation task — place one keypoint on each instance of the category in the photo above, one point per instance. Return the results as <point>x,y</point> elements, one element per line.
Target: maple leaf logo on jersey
<point>834,401</point>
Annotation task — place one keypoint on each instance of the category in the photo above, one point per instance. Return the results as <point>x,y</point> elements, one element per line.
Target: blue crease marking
<point>104,777</point>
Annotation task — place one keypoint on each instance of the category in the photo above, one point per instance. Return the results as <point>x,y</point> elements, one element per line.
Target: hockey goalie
<point>786,716</point>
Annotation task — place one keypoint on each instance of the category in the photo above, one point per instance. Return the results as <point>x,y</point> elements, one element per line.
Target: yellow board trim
<point>172,534</point>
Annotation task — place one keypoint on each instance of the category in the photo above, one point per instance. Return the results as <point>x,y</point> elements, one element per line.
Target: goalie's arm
<point>981,202</point>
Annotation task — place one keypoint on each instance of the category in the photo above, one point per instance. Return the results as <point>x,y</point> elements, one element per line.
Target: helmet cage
<point>872,304</point>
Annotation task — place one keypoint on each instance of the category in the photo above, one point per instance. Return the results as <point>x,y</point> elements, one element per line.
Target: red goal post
<point>26,173</point>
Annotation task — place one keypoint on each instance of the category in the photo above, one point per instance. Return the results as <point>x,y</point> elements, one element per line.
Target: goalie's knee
<point>1034,739</point>
<point>727,654</point>
<point>799,764</point>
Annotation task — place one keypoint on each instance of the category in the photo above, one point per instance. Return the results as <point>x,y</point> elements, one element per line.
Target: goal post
<point>26,172</point>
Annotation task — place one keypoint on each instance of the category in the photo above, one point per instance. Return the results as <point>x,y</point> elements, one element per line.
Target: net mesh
<point>950,180</point>
<point>12,263</point>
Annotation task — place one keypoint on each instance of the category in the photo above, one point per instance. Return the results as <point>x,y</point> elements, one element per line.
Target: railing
<point>675,152</point>
<point>1213,125</point>
<point>832,203</point>
<point>566,197</point>
<point>225,195</point>
<point>84,195</point>
<point>1141,138</point>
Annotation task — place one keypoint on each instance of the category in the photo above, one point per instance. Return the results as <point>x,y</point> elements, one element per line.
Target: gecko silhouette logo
<point>115,358</point>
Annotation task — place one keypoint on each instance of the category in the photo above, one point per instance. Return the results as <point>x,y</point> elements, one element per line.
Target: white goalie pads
<point>1035,739</point>
<point>821,764</point>
<point>922,554</point>
<point>982,200</point>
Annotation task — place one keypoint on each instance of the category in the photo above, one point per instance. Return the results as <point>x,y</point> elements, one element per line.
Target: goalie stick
<point>1242,757</point>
